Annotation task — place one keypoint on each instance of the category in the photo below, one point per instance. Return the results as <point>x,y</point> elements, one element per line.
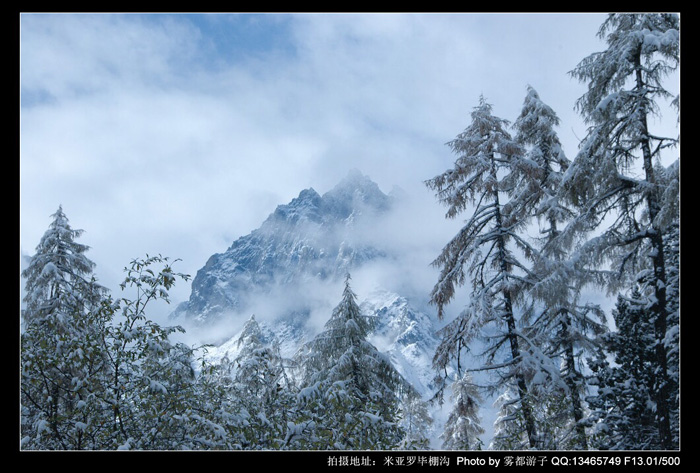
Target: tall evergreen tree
<point>672,341</point>
<point>358,386</point>
<point>489,164</point>
<point>61,356</point>
<point>415,421</point>
<point>59,276</point>
<point>615,180</point>
<point>263,390</point>
<point>561,326</point>
<point>621,410</point>
<point>508,426</point>
<point>463,429</point>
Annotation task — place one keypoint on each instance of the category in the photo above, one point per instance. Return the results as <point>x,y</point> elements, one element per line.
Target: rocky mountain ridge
<point>312,237</point>
<point>290,268</point>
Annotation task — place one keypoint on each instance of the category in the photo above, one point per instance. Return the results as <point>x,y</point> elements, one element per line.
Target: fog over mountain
<point>289,275</point>
<point>312,239</point>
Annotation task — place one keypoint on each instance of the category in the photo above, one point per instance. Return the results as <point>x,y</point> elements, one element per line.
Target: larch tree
<point>562,327</point>
<point>416,422</point>
<point>485,252</point>
<point>622,192</point>
<point>463,429</point>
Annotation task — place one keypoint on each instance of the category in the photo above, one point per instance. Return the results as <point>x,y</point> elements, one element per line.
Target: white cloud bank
<point>162,134</point>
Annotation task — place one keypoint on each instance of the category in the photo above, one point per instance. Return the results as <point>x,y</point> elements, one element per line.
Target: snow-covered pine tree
<point>59,276</point>
<point>358,389</point>
<point>508,426</point>
<point>96,373</point>
<point>489,164</point>
<point>219,400</point>
<point>61,356</point>
<point>615,180</point>
<point>621,410</point>
<point>263,390</point>
<point>560,326</point>
<point>463,429</point>
<point>545,161</point>
<point>672,341</point>
<point>416,422</point>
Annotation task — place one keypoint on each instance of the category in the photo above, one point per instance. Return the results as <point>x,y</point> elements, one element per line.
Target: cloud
<point>67,56</point>
<point>175,134</point>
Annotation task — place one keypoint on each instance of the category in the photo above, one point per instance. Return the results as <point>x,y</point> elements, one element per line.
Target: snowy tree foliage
<point>486,174</point>
<point>357,388</point>
<point>151,390</point>
<point>508,426</point>
<point>463,429</point>
<point>263,390</point>
<point>59,276</point>
<point>61,357</point>
<point>98,374</point>
<point>537,195</point>
<point>415,421</point>
<point>621,191</point>
<point>622,409</point>
<point>561,326</point>
<point>672,341</point>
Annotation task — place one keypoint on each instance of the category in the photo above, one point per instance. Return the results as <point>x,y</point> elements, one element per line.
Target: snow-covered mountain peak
<point>355,194</point>
<point>357,186</point>
<point>406,335</point>
<point>304,208</point>
<point>312,237</point>
<point>289,273</point>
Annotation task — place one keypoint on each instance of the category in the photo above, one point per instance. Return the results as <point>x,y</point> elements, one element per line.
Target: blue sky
<point>177,134</point>
<point>237,37</point>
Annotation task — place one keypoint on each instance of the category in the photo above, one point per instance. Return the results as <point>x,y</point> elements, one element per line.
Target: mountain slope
<point>288,274</point>
<point>313,237</point>
<point>405,334</point>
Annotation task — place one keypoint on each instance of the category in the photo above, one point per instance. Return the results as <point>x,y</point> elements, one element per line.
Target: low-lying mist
<point>409,236</point>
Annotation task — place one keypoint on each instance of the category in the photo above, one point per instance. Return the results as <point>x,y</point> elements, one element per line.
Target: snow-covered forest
<point>542,226</point>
